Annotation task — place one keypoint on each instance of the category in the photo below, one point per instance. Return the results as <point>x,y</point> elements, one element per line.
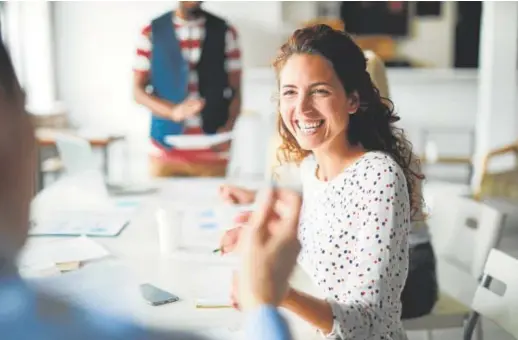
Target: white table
<point>190,274</point>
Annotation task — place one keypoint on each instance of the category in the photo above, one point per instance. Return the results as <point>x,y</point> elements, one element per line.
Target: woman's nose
<point>303,105</point>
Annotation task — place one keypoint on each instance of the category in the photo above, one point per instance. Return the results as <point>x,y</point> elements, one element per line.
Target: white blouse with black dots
<point>354,236</point>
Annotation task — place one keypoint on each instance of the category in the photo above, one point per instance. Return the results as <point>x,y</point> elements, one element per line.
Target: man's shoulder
<point>89,324</point>
<point>28,313</point>
<point>165,15</point>
<point>148,28</point>
<point>217,19</point>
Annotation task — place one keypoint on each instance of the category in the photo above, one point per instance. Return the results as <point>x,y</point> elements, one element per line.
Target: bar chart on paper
<point>203,227</point>
<point>76,223</point>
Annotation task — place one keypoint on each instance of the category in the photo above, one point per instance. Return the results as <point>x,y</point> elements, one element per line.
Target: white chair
<point>463,233</point>
<point>285,174</point>
<point>76,153</point>
<point>79,159</point>
<point>502,310</point>
<point>248,151</point>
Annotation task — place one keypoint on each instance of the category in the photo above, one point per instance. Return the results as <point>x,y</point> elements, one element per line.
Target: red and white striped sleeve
<point>142,61</point>
<point>232,51</point>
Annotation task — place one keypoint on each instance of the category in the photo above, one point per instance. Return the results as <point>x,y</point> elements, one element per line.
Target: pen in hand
<point>230,239</point>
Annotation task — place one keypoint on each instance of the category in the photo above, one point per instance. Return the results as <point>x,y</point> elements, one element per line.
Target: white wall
<point>95,47</point>
<point>432,39</point>
<point>258,24</point>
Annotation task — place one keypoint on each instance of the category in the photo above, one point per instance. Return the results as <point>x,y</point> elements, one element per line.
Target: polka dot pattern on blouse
<point>354,235</point>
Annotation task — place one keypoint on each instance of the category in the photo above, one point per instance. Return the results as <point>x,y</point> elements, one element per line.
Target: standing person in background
<point>188,74</point>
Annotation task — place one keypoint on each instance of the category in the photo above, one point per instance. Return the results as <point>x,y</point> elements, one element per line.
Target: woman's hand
<point>230,240</point>
<point>236,195</point>
<point>231,237</point>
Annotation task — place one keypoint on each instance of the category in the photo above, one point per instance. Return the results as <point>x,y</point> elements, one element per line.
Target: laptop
<point>77,156</point>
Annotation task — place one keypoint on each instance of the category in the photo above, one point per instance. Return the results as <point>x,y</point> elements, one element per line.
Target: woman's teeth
<point>309,128</point>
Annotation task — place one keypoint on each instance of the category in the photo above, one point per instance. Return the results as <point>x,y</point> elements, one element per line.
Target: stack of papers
<point>211,295</point>
<point>52,257</point>
<point>194,142</point>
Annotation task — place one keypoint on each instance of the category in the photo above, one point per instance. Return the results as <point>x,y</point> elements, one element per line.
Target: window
<point>10,33</point>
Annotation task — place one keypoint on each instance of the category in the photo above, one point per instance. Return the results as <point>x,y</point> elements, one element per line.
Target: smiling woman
<point>357,184</point>
<point>325,87</point>
<point>357,180</point>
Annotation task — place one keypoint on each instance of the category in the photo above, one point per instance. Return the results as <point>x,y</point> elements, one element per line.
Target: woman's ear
<point>353,102</point>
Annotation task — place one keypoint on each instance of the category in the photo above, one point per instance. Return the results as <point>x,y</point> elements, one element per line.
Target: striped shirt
<point>190,34</point>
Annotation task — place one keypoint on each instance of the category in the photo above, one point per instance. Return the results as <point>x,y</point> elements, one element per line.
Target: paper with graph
<point>194,142</point>
<point>76,223</point>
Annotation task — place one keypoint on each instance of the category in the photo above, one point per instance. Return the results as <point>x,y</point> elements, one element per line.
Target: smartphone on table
<point>156,296</point>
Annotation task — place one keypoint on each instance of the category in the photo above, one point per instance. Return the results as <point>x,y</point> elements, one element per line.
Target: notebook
<point>76,223</point>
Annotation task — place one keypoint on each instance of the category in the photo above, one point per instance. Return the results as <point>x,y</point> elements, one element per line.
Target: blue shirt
<point>26,314</point>
<point>266,323</point>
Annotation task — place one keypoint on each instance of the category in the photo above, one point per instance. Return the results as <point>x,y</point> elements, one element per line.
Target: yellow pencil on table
<point>212,304</point>
<point>213,307</point>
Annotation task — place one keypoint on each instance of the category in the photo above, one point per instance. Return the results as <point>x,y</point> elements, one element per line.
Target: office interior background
<point>451,65</point>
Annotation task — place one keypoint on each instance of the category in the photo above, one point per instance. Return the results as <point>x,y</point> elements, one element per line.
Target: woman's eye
<point>321,92</point>
<point>288,93</point>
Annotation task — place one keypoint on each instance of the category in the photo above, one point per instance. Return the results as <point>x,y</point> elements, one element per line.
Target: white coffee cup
<point>169,223</point>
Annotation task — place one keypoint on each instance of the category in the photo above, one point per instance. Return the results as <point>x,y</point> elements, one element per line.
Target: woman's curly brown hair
<point>372,126</point>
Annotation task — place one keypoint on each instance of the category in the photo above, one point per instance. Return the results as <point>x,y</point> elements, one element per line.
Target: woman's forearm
<point>313,310</point>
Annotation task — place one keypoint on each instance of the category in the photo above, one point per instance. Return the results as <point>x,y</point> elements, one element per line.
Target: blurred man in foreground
<point>268,259</point>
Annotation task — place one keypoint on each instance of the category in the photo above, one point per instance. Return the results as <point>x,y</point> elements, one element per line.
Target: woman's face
<point>313,104</point>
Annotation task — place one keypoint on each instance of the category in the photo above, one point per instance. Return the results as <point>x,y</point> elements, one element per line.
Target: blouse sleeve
<point>369,296</point>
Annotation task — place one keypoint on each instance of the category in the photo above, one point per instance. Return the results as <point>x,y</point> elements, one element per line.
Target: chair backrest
<point>465,231</point>
<point>378,72</point>
<point>81,166</point>
<point>501,309</point>
<point>249,147</point>
<point>76,153</point>
<point>383,45</point>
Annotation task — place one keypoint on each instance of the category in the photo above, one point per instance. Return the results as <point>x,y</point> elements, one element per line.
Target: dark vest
<point>212,75</point>
<point>170,74</point>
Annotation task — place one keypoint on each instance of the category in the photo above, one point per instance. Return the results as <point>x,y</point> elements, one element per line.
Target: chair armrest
<point>485,163</point>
